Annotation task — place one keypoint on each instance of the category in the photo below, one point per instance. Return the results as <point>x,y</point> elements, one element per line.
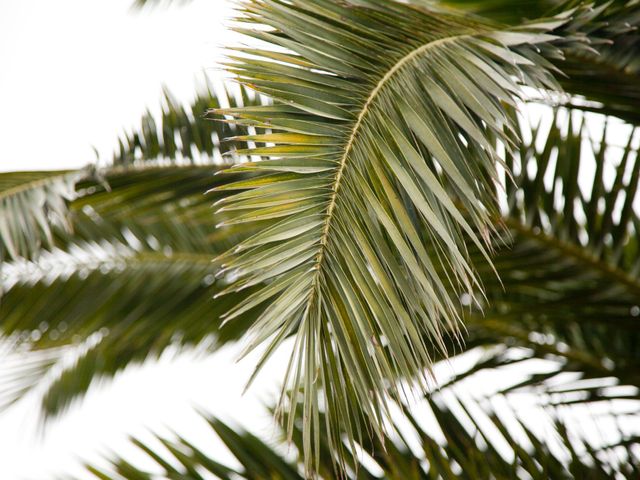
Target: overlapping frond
<point>447,437</point>
<point>21,371</point>
<point>128,251</point>
<point>375,211</point>
<point>182,134</point>
<point>134,277</point>
<point>34,205</point>
<point>595,231</point>
<point>160,205</point>
<point>30,204</point>
<point>559,303</point>
<point>133,305</point>
<point>501,10</point>
<point>571,287</point>
<point>599,218</point>
<point>382,137</point>
<point>608,76</point>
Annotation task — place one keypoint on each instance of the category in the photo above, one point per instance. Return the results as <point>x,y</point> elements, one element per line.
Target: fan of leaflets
<point>30,204</point>
<point>377,161</point>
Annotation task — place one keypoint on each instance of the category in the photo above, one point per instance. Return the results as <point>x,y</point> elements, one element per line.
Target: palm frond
<point>34,205</point>
<point>373,141</point>
<point>570,292</point>
<point>599,219</point>
<point>30,204</point>
<point>133,279</point>
<point>155,204</point>
<point>128,252</point>
<point>446,437</point>
<point>608,76</point>
<point>22,370</point>
<point>182,134</point>
<point>132,306</point>
<point>500,10</point>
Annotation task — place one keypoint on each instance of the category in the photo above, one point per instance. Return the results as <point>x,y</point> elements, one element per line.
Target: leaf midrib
<point>135,260</point>
<point>354,133</point>
<point>581,254</point>
<point>33,184</point>
<point>109,171</point>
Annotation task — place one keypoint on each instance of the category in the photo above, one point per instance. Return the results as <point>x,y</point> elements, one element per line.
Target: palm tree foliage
<point>468,452</point>
<point>578,300</point>
<point>566,293</point>
<point>363,221</point>
<point>143,221</point>
<point>391,107</point>
<point>29,203</point>
<point>608,76</point>
<point>181,134</point>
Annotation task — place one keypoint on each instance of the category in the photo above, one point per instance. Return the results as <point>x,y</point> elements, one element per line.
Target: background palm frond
<point>446,437</point>
<point>163,241</point>
<point>571,290</point>
<point>182,134</point>
<point>142,221</point>
<point>380,176</point>
<point>34,205</point>
<point>30,204</point>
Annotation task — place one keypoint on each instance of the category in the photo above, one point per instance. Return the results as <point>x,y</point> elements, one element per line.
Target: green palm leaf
<point>571,289</point>
<point>471,431</point>
<point>171,306</point>
<point>30,204</point>
<point>607,76</point>
<point>360,235</point>
<point>182,134</point>
<point>386,119</point>
<point>127,257</point>
<point>34,205</point>
<point>134,278</point>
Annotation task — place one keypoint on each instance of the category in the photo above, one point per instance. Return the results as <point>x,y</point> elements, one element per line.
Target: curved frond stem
<point>617,275</point>
<point>33,184</point>
<point>32,204</point>
<point>354,132</point>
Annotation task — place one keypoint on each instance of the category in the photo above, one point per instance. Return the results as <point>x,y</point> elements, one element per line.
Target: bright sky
<point>73,75</point>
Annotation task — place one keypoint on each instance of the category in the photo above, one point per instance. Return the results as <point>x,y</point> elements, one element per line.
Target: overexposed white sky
<point>75,73</point>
